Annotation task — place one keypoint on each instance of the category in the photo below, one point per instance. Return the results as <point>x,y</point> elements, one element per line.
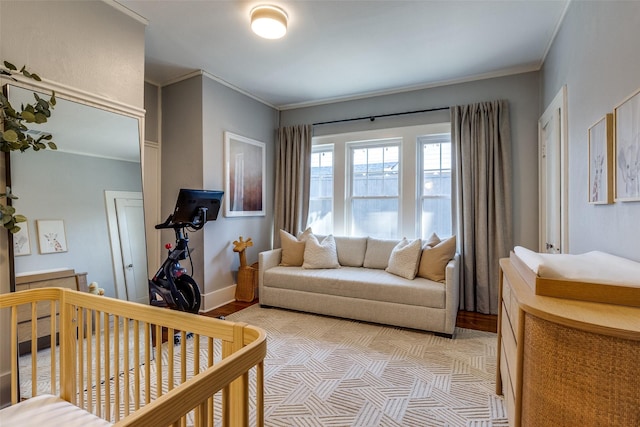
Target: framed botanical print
<point>601,161</point>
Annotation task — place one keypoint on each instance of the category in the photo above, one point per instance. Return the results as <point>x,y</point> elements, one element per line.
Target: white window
<point>321,194</point>
<point>435,185</point>
<point>374,193</point>
<point>385,183</point>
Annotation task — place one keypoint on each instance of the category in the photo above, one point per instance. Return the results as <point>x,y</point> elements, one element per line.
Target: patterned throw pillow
<point>320,255</point>
<point>404,258</point>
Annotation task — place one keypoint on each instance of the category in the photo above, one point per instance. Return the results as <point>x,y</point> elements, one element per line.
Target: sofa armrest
<point>452,293</point>
<point>267,260</point>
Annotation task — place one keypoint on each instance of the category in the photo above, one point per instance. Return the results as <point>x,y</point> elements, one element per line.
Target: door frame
<point>559,102</point>
<point>114,237</point>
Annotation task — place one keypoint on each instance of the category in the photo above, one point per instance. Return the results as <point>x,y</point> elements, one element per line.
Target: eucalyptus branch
<point>14,134</point>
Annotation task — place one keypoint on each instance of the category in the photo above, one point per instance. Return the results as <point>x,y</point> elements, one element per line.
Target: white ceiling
<point>346,49</point>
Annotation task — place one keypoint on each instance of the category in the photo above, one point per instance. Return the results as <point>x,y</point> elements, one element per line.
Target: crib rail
<point>111,360</point>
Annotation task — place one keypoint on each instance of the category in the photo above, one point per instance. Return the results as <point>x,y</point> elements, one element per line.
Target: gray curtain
<point>481,140</point>
<point>293,174</point>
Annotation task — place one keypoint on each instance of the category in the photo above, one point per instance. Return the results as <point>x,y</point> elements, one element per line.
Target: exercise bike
<point>171,286</point>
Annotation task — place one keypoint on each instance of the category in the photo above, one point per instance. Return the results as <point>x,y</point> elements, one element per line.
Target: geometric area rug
<point>324,371</point>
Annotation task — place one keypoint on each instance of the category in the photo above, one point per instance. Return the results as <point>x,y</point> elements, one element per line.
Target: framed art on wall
<point>51,236</point>
<point>245,179</point>
<point>627,149</point>
<point>21,243</point>
<point>601,161</point>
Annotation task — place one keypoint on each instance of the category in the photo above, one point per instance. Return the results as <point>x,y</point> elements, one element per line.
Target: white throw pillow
<point>320,255</point>
<point>405,258</point>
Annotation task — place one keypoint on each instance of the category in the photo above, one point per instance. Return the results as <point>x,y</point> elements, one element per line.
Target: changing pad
<point>595,266</point>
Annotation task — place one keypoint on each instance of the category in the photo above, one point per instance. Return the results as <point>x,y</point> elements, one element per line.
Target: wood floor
<point>466,319</point>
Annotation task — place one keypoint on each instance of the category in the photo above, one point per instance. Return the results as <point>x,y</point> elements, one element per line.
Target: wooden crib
<point>111,361</point>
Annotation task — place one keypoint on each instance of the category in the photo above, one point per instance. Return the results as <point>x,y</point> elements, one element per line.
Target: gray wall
<point>56,185</point>
<point>522,92</point>
<point>597,55</point>
<point>196,112</point>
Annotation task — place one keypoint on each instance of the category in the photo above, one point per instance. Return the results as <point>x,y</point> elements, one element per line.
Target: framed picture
<point>627,149</point>
<point>21,243</point>
<point>51,236</point>
<point>601,161</point>
<point>245,179</point>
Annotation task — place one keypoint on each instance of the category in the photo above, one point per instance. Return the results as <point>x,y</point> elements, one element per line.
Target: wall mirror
<point>83,201</point>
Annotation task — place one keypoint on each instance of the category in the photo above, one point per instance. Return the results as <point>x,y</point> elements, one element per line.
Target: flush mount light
<point>269,21</point>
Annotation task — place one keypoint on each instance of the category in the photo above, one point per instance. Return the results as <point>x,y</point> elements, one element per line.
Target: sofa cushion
<point>320,255</point>
<point>378,253</point>
<point>357,282</point>
<point>433,261</point>
<point>351,250</point>
<point>404,258</point>
<point>432,241</point>
<point>293,248</point>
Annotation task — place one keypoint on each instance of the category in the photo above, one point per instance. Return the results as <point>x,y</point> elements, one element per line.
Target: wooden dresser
<point>66,278</point>
<point>565,362</point>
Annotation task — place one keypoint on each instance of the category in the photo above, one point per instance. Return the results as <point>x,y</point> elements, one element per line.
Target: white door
<point>130,215</point>
<point>552,179</point>
<point>125,216</point>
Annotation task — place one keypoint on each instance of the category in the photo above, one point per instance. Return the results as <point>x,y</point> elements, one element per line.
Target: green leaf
<point>40,118</point>
<point>28,116</point>
<point>9,210</point>
<point>10,136</point>
<point>52,100</point>
<point>10,66</point>
<point>36,77</point>
<point>26,73</point>
<point>20,218</point>
<point>6,219</point>
<point>53,145</point>
<point>14,229</point>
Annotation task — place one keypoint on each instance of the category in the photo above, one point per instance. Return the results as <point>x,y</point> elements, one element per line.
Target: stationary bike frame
<point>171,286</point>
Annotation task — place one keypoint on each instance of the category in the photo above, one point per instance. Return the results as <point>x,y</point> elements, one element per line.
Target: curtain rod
<point>377,116</point>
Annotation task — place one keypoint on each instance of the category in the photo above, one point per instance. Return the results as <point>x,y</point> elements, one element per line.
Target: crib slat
<point>98,362</point>
<point>136,365</point>
<point>107,365</point>
<point>14,351</point>
<point>170,367</point>
<point>34,348</point>
<point>116,367</point>
<point>52,346</point>
<point>125,368</point>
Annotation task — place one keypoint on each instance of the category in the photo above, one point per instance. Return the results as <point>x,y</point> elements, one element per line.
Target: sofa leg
<point>443,335</point>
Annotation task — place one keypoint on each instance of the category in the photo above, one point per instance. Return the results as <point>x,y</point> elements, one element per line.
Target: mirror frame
<point>82,97</point>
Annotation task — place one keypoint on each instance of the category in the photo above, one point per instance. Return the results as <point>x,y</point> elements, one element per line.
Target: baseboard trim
<point>217,298</point>
<point>5,389</point>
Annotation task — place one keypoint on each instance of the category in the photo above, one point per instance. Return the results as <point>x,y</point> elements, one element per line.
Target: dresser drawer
<point>510,351</point>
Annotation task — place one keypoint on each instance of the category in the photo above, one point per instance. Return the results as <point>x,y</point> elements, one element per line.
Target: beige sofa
<point>361,289</point>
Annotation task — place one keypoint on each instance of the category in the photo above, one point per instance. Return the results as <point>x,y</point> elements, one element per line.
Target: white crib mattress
<point>48,410</point>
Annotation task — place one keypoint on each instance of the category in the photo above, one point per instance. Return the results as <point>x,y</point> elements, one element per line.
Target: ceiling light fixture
<point>269,21</point>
